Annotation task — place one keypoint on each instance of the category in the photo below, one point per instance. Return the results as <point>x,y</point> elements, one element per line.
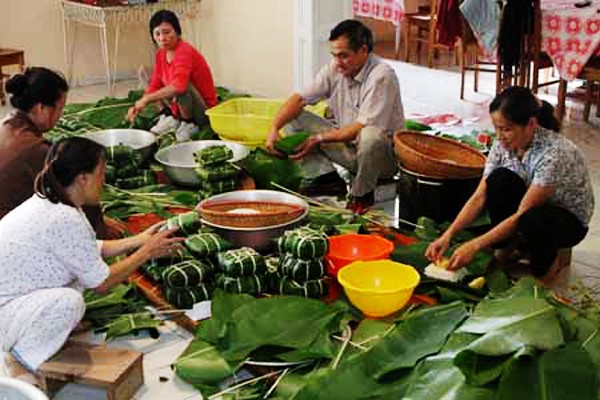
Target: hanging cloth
<point>448,24</point>
<point>516,23</point>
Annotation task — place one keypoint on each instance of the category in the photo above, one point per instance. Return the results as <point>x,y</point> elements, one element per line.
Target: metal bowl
<point>142,141</point>
<point>179,164</point>
<point>263,238</point>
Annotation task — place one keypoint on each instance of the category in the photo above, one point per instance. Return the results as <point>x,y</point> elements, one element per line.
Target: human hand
<point>160,244</point>
<point>435,251</point>
<point>463,255</point>
<point>149,232</point>
<point>271,140</point>
<point>136,109</point>
<point>306,147</point>
<point>115,229</point>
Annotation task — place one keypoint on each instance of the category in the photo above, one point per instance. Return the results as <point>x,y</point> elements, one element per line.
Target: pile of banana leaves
<point>110,113</point>
<point>120,204</point>
<point>120,312</point>
<point>516,344</point>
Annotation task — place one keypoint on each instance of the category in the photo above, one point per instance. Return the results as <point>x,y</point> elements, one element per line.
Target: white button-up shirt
<point>372,97</point>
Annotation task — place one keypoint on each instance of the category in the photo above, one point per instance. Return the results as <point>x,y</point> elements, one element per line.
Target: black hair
<point>36,85</point>
<point>66,159</point>
<point>518,105</point>
<point>358,35</point>
<point>164,16</point>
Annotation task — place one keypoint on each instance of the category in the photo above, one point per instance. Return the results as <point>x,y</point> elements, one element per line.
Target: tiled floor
<point>424,91</point>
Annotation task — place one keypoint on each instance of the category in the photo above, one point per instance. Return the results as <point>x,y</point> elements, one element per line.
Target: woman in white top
<point>49,253</point>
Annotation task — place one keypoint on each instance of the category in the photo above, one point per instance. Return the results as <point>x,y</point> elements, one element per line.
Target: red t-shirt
<point>187,65</point>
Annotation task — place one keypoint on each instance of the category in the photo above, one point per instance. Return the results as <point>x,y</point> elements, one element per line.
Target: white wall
<point>248,43</point>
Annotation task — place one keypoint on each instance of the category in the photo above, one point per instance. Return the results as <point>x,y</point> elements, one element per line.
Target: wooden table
<point>384,10</point>
<point>102,17</point>
<point>9,57</point>
<point>570,36</point>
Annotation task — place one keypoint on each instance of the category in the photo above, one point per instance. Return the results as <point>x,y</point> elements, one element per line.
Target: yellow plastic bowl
<point>378,288</point>
<point>248,120</point>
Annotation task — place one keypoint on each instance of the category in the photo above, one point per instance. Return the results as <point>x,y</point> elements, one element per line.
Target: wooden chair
<point>470,59</point>
<point>9,57</point>
<point>424,22</point>
<point>539,59</point>
<point>591,74</point>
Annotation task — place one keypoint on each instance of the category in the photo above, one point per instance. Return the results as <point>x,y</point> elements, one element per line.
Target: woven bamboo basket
<point>437,157</point>
<point>249,214</point>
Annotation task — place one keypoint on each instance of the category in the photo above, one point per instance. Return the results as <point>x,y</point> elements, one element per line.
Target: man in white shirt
<point>364,96</point>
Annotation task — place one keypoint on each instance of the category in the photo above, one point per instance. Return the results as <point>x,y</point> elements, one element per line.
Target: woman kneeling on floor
<point>49,253</point>
<point>181,82</point>
<point>535,186</point>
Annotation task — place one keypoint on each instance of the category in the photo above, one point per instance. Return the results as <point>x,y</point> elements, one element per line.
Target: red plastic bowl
<point>345,249</point>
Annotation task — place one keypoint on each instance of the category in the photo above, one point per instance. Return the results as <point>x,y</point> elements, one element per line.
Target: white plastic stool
<point>15,389</point>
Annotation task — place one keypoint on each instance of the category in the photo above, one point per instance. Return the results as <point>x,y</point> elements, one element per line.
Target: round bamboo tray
<point>249,214</point>
<point>437,157</point>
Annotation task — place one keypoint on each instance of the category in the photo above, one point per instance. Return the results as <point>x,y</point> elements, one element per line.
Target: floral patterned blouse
<point>551,160</point>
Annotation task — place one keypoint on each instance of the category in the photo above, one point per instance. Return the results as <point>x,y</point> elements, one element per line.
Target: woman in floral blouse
<point>535,185</point>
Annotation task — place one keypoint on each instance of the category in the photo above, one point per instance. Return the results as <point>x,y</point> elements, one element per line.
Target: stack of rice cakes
<point>301,267</point>
<point>217,175</point>
<point>123,168</point>
<point>243,271</point>
<point>188,276</point>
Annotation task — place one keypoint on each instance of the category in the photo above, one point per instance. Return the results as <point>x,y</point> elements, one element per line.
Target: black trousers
<point>545,228</point>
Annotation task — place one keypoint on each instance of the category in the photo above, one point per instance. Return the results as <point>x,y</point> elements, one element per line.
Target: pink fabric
<point>385,10</point>
<point>570,35</point>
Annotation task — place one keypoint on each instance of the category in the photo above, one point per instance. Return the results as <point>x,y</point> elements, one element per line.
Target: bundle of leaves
<point>518,344</point>
<point>267,170</point>
<point>120,312</point>
<point>121,204</point>
<point>106,113</point>
<point>284,328</point>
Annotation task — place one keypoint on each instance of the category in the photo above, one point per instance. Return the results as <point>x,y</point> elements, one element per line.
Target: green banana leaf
<point>325,218</point>
<point>350,381</point>
<point>509,324</point>
<point>103,309</point>
<point>561,373</point>
<point>289,386</point>
<point>412,254</point>
<point>416,126</point>
<point>116,296</point>
<point>201,363</point>
<point>497,281</point>
<point>422,333</point>
<point>449,292</point>
<point>287,145</point>
<point>436,377</point>
<point>479,370</point>
<point>131,323</point>
<point>427,229</point>
<point>348,228</point>
<point>371,331</point>
<point>581,328</point>
<point>524,287</point>
<point>267,169</point>
<point>222,307</point>
<point>293,322</point>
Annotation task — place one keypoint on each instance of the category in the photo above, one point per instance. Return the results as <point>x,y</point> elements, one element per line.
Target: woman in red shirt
<point>181,81</point>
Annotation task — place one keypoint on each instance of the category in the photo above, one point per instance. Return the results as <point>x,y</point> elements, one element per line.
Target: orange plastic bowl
<point>345,249</point>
